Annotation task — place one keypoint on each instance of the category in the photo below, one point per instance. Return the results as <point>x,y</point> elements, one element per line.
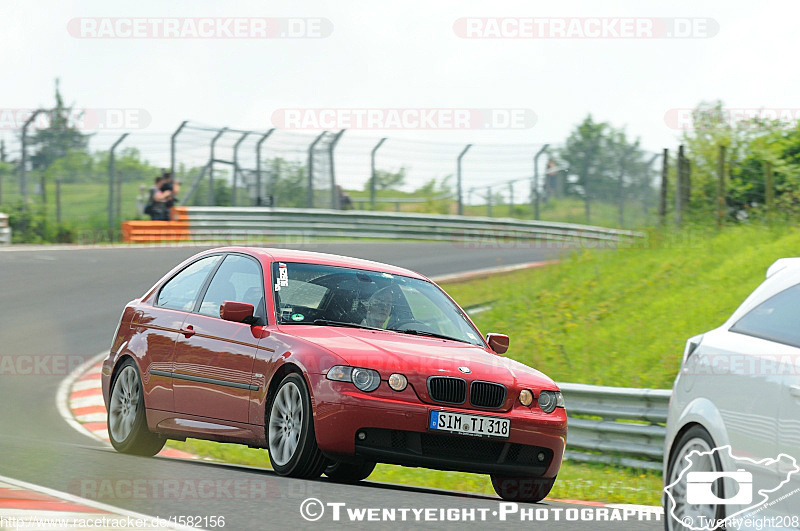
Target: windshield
<point>339,296</point>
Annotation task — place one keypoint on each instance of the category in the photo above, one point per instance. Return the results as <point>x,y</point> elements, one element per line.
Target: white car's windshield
<point>340,296</point>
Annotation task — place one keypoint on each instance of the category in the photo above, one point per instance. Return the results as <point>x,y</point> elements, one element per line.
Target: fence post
<point>373,174</point>
<point>58,200</point>
<point>679,187</point>
<point>622,161</point>
<point>111,186</point>
<point>23,167</point>
<point>236,166</point>
<point>647,189</point>
<point>720,186</point>
<point>535,183</point>
<point>310,169</point>
<point>769,188</point>
<point>334,192</point>
<point>662,197</point>
<point>460,198</point>
<point>261,140</point>
<point>172,146</point>
<point>211,199</point>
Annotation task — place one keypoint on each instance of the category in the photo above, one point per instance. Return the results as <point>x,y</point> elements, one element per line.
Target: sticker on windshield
<point>298,317</point>
<point>283,276</point>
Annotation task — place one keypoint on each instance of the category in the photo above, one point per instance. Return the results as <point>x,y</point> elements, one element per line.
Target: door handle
<point>188,331</point>
<point>794,390</point>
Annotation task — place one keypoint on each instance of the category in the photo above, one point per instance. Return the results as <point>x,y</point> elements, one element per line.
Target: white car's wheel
<point>695,439</point>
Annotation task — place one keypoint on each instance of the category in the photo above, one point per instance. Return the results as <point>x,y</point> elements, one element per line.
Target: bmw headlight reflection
<point>550,400</point>
<point>364,379</point>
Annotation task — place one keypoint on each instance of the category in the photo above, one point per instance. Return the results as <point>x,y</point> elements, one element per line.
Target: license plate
<point>477,425</point>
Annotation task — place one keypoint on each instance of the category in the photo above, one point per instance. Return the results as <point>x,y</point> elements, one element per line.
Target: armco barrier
<point>5,230</point>
<point>254,223</point>
<point>616,425</point>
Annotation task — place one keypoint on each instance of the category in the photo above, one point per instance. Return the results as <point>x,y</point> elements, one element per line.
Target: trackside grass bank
<point>613,317</point>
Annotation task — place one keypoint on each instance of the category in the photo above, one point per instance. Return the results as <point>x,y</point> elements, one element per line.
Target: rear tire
<point>349,472</point>
<point>127,418</point>
<point>291,441</point>
<point>522,489</point>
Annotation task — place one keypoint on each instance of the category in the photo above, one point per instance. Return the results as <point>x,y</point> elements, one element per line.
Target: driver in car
<point>379,308</point>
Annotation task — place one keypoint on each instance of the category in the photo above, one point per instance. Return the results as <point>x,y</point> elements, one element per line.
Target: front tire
<point>127,419</point>
<point>292,444</point>
<point>531,490</point>
<point>696,438</point>
<point>349,472</point>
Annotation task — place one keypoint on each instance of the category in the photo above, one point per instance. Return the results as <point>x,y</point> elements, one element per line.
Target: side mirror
<point>238,312</point>
<point>498,342</point>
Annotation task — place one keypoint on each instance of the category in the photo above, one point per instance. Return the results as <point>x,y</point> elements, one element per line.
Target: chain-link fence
<point>342,170</point>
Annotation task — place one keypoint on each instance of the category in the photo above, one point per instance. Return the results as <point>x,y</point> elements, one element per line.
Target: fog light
<point>362,436</point>
<point>540,456</point>
<point>525,397</point>
<point>398,382</point>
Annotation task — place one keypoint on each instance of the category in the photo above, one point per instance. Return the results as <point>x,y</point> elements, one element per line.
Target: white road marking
<point>62,398</point>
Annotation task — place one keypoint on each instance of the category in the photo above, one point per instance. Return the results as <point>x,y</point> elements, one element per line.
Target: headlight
<point>365,379</point>
<point>550,400</point>
<point>398,382</point>
<point>525,397</point>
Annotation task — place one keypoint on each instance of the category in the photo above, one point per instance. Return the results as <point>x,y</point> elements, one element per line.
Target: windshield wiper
<point>327,322</point>
<point>425,333</point>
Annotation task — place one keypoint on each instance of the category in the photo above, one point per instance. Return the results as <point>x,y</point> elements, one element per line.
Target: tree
<point>603,163</point>
<point>58,139</point>
<point>385,180</point>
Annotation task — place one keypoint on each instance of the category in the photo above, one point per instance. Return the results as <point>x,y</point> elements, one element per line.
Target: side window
<point>238,279</point>
<point>775,319</point>
<point>180,292</point>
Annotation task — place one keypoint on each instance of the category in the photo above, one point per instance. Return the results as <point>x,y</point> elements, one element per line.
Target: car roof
<point>295,255</point>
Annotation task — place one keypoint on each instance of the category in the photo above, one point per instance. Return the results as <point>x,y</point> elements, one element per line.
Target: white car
<point>739,387</point>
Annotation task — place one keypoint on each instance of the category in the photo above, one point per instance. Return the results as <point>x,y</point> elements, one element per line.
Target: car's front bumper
<point>394,428</point>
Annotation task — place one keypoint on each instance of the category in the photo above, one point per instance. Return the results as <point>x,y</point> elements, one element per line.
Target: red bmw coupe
<point>333,364</point>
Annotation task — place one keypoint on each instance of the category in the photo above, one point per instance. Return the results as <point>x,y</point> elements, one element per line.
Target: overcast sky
<point>401,55</point>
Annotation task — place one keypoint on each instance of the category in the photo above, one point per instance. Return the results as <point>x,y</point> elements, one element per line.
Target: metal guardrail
<point>215,223</point>
<point>5,230</point>
<point>616,425</point>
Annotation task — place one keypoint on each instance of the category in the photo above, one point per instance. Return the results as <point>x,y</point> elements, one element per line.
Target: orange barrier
<point>158,231</point>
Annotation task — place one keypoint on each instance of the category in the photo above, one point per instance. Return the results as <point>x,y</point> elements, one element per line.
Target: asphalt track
<point>59,307</point>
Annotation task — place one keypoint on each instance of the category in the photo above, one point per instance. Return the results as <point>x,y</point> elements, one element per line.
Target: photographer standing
<point>173,188</point>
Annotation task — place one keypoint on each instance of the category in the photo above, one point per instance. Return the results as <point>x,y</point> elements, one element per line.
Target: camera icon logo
<point>699,488</point>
